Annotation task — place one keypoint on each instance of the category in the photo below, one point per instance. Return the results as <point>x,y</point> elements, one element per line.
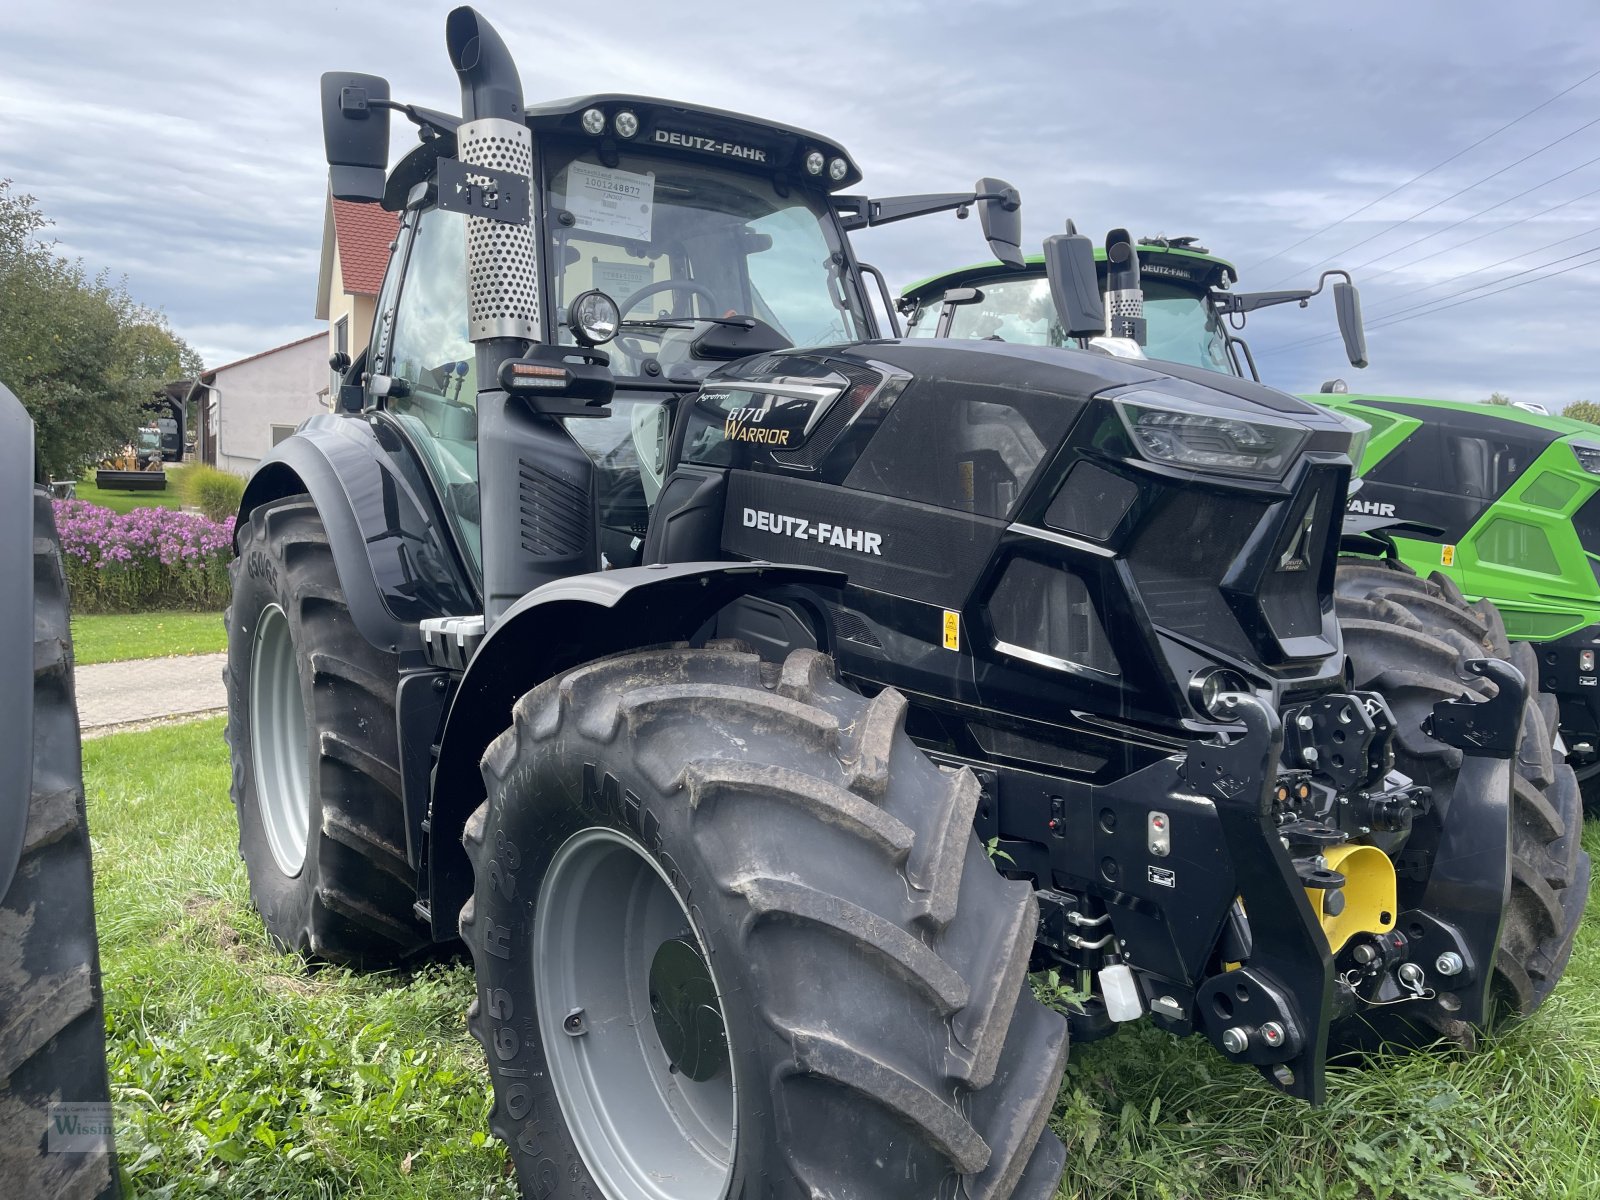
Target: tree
<point>79,352</point>
<point>1499,398</point>
<point>1582,410</point>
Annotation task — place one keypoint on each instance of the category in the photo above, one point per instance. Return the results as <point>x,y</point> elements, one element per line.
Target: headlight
<point>1178,431</point>
<point>1588,456</point>
<point>1360,435</point>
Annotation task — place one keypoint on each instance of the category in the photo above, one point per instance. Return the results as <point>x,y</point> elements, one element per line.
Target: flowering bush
<point>145,559</point>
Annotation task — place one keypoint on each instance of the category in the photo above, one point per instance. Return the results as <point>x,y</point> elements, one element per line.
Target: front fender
<point>392,546</point>
<point>550,630</point>
<point>16,629</point>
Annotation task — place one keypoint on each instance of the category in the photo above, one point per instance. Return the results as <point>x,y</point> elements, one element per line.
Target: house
<point>356,239</point>
<point>249,406</point>
<point>256,402</point>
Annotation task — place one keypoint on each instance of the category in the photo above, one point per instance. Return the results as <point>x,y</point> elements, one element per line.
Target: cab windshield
<point>681,244</point>
<point>1180,326</point>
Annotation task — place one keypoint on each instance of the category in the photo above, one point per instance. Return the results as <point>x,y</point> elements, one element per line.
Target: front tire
<point>735,937</point>
<point>1409,639</point>
<point>312,736</point>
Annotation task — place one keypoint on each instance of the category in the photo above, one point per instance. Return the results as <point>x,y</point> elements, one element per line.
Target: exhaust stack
<point>1124,299</point>
<point>502,295</point>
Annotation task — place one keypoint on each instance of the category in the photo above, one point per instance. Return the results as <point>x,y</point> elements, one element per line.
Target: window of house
<point>280,432</point>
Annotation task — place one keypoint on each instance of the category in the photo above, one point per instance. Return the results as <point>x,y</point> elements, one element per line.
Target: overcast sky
<point>179,144</point>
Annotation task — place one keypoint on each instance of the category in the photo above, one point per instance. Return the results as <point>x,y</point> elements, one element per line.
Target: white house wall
<point>281,388</point>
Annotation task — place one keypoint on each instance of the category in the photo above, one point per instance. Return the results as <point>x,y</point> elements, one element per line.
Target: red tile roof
<point>364,232</point>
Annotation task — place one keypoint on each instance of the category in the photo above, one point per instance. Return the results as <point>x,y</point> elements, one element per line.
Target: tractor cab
<point>678,237</point>
<point>1180,290</point>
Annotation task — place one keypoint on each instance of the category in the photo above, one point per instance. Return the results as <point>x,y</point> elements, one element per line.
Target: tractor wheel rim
<point>632,1025</point>
<point>278,747</point>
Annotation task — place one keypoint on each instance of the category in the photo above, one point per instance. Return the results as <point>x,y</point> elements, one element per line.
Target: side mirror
<point>1001,218</point>
<point>1074,286</point>
<point>1347,304</point>
<point>953,299</point>
<point>355,134</point>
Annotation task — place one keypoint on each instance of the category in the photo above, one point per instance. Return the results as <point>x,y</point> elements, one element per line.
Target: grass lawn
<point>237,1072</point>
<point>117,637</point>
<point>127,501</point>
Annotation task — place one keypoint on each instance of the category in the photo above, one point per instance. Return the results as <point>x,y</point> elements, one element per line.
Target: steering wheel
<point>667,285</point>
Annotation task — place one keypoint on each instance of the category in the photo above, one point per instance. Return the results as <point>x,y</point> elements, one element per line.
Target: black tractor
<point>759,696</point>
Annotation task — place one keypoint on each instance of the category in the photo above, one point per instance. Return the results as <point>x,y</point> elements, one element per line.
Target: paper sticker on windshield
<point>620,280</point>
<point>610,200</point>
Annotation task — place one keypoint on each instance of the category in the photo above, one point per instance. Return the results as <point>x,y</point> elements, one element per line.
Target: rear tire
<point>52,1021</point>
<point>819,885</point>
<point>1409,638</point>
<point>312,735</point>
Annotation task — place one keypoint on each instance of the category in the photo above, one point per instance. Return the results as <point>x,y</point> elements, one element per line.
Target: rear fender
<point>16,629</point>
<point>396,557</point>
<point>550,630</point>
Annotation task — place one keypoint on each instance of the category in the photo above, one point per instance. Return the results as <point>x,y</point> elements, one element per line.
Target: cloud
<point>181,145</point>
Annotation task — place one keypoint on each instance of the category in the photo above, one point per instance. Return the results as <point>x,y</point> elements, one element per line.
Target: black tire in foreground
<point>311,732</point>
<point>1409,638</point>
<point>52,1023</point>
<point>735,937</point>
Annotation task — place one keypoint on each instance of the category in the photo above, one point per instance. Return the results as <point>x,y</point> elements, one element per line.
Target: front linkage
<point>1273,833</point>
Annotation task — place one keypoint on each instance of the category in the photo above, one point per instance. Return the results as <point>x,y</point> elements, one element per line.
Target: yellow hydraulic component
<point>1368,894</point>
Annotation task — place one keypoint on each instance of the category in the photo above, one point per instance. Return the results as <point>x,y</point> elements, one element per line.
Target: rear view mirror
<point>1074,286</point>
<point>1001,218</point>
<point>355,134</point>
<point>1347,305</point>
<point>953,299</point>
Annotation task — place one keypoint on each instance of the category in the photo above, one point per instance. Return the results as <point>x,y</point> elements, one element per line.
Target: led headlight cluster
<point>1180,432</point>
<point>626,123</point>
<point>1588,456</point>
<point>837,169</point>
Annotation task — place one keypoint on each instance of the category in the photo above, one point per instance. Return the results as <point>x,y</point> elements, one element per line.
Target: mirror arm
<point>425,119</point>
<point>860,212</point>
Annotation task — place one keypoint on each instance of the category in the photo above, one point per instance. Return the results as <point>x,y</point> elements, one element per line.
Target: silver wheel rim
<point>278,749</point>
<point>609,930</point>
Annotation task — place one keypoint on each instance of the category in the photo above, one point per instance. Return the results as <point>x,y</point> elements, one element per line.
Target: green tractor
<point>759,695</point>
<point>1490,503</point>
<point>1502,501</point>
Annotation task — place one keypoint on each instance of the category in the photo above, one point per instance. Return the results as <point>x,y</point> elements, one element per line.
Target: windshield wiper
<point>689,322</point>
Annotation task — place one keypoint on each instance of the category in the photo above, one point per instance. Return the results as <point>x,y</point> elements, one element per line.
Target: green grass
<point>118,637</point>
<point>128,501</point>
<point>238,1072</point>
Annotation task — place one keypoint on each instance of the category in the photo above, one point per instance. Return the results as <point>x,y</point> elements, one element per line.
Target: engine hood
<point>1081,374</point>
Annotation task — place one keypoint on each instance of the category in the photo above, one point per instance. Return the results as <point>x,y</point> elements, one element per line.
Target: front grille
<point>851,626</point>
<point>1586,522</point>
<point>1179,559</point>
<point>553,512</point>
<point>1291,592</point>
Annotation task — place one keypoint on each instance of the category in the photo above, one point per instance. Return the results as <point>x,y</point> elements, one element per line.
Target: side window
<point>429,348</point>
<point>435,394</point>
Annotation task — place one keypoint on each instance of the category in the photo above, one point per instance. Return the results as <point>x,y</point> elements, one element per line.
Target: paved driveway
<point>116,695</point>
